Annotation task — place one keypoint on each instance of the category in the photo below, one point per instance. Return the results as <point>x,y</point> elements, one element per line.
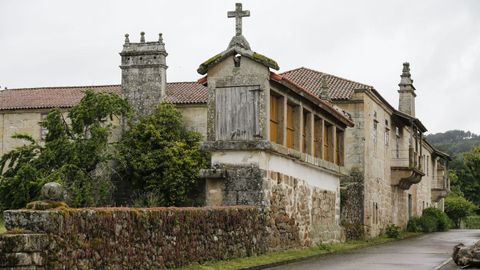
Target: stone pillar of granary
<point>407,92</point>
<point>144,73</point>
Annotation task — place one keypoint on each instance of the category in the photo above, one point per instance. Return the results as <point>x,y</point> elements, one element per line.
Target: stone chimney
<point>407,92</point>
<point>144,73</point>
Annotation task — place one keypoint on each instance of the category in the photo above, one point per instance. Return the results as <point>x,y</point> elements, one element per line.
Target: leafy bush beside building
<point>161,159</point>
<point>74,148</point>
<point>432,220</point>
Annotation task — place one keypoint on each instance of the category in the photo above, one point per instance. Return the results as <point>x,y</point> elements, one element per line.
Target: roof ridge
<point>292,70</point>
<point>60,87</point>
<point>183,82</point>
<point>328,74</point>
<point>348,80</point>
<point>81,86</point>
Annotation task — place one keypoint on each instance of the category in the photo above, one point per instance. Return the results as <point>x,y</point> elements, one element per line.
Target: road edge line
<point>443,264</point>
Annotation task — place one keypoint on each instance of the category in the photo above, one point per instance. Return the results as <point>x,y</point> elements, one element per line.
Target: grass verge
<point>291,255</point>
<point>2,226</point>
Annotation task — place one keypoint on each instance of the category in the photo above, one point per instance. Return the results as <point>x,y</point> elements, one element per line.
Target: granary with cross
<point>273,144</point>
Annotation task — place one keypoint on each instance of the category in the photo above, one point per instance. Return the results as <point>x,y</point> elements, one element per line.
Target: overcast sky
<point>67,43</point>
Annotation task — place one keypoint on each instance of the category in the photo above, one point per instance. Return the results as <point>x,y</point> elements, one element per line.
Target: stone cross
<point>238,14</point>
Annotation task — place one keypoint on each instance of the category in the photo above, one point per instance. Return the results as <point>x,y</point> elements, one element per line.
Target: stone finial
<point>127,40</point>
<point>406,80</point>
<point>53,192</point>
<point>160,38</point>
<point>142,37</point>
<point>406,68</point>
<point>324,90</point>
<point>238,13</point>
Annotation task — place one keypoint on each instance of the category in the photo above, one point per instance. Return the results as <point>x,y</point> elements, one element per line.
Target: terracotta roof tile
<point>48,97</point>
<point>177,92</point>
<point>310,79</point>
<point>65,97</point>
<point>186,93</point>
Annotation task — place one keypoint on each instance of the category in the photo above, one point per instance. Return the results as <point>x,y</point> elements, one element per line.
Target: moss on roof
<point>269,62</point>
<point>202,69</point>
<point>259,58</point>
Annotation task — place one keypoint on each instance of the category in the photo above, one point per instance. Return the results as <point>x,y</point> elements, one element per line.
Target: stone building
<point>284,141</point>
<point>401,173</point>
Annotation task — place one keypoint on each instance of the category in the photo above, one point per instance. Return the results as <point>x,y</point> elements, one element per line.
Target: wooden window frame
<point>290,126</point>
<point>329,141</point>
<point>275,123</point>
<point>340,147</point>
<point>318,137</point>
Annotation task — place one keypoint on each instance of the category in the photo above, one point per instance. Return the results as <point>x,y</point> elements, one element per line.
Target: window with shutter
<point>274,118</point>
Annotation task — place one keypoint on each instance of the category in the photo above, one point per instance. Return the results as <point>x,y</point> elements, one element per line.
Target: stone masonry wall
<point>127,238</point>
<point>297,214</point>
<point>24,251</point>
<point>300,215</point>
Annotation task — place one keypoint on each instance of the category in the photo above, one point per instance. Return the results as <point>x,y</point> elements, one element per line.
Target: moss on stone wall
<point>144,238</point>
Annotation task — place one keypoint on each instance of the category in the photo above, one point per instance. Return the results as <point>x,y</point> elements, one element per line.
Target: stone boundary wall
<point>300,215</point>
<point>129,238</point>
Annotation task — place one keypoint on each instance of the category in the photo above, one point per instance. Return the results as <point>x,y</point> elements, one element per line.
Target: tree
<point>161,159</point>
<point>467,168</point>
<point>457,207</point>
<point>72,152</point>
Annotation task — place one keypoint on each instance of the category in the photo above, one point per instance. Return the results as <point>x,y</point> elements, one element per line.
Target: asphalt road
<point>421,253</point>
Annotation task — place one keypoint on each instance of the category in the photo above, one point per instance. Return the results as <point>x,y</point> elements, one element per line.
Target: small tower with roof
<point>144,73</point>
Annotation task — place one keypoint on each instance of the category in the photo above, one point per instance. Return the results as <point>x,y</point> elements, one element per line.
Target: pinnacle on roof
<point>406,82</point>
<point>324,92</point>
<point>143,46</point>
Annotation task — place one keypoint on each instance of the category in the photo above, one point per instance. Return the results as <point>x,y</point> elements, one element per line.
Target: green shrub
<point>428,223</point>
<point>442,220</point>
<point>414,224</point>
<point>392,231</point>
<point>457,207</point>
<point>472,222</point>
<point>161,159</point>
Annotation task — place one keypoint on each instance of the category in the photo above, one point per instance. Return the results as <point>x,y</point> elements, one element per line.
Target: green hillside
<point>454,142</point>
<point>465,166</point>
